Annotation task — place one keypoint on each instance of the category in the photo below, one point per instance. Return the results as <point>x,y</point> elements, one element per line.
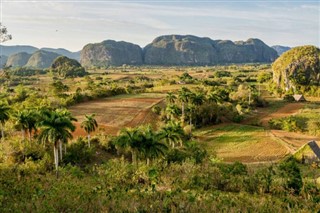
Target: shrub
<point>291,173</point>
<point>78,153</point>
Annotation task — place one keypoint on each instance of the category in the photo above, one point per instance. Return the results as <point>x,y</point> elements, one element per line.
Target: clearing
<point>246,143</point>
<point>115,113</point>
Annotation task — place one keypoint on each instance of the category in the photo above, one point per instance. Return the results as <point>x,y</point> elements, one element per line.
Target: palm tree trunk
<point>2,131</point>
<point>148,161</point>
<point>134,158</point>
<point>23,134</point>
<point>30,135</point>
<point>89,140</point>
<point>56,157</point>
<point>60,148</point>
<point>182,109</point>
<point>65,149</point>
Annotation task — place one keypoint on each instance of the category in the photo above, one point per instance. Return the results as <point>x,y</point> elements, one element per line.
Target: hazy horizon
<point>72,24</point>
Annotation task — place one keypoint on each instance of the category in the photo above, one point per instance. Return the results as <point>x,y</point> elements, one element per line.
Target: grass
<point>241,142</point>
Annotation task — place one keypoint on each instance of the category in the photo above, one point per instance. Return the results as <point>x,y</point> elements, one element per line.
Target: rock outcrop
<point>280,49</point>
<point>18,59</point>
<point>10,50</point>
<point>192,50</point>
<point>64,52</point>
<point>112,53</point>
<point>180,50</point>
<point>41,59</point>
<point>299,66</point>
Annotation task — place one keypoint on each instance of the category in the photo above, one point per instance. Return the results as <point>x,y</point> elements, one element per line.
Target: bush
<point>78,153</point>
<point>288,98</point>
<point>291,173</point>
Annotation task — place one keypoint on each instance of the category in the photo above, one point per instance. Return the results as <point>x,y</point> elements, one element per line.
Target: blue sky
<point>72,24</point>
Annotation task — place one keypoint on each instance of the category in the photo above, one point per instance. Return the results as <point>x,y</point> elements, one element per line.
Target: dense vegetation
<point>297,69</point>
<point>161,167</point>
<point>67,67</point>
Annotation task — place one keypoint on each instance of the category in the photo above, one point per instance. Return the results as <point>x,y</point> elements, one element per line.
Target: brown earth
<point>113,114</point>
<point>285,111</point>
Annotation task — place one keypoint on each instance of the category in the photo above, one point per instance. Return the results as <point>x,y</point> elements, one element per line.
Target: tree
<point>290,171</point>
<point>152,148</point>
<point>4,36</point>
<point>56,126</point>
<point>172,133</point>
<point>141,142</point>
<point>4,116</point>
<point>58,88</point>
<point>198,98</point>
<point>89,125</point>
<point>170,98</point>
<point>298,67</point>
<point>67,67</point>
<point>214,97</point>
<point>183,96</point>
<point>172,111</point>
<point>26,121</point>
<point>130,139</point>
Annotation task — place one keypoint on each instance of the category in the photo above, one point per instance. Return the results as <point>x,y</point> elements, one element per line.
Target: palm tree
<point>64,113</point>
<point>130,139</point>
<point>183,96</point>
<point>214,97</point>
<point>170,98</point>
<point>172,133</point>
<point>151,145</point>
<point>26,121</point>
<point>56,126</point>
<point>4,116</point>
<point>89,125</point>
<point>172,111</point>
<point>141,142</point>
<point>198,99</point>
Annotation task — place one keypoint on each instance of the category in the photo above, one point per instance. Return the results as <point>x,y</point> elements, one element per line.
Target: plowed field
<point>113,114</point>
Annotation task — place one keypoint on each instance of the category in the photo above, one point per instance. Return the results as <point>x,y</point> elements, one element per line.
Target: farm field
<point>117,112</point>
<point>248,144</point>
<point>233,142</point>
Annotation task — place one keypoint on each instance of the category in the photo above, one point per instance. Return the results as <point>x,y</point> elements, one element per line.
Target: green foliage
<point>79,154</point>
<point>67,67</point>
<point>220,74</point>
<point>58,88</point>
<point>26,71</point>
<point>264,77</point>
<point>186,78</point>
<point>288,98</point>
<point>313,126</point>
<point>297,67</point>
<point>292,175</point>
<point>288,124</point>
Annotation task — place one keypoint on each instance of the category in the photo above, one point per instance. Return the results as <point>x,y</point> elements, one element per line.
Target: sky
<point>71,24</point>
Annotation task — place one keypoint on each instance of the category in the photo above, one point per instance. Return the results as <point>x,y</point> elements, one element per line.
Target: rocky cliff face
<point>41,59</point>
<point>18,59</point>
<point>192,50</point>
<point>111,52</point>
<point>180,50</point>
<point>177,50</point>
<point>10,50</point>
<point>296,67</point>
<point>64,52</point>
<point>280,49</point>
<point>252,50</point>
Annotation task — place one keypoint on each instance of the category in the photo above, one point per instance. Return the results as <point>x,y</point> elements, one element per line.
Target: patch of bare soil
<point>285,111</point>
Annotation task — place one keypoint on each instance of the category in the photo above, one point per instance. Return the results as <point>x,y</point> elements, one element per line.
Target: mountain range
<point>163,50</point>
